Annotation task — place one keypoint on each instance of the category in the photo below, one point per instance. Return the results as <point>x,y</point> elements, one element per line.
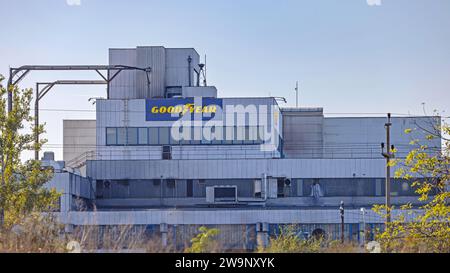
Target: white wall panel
<point>219,216</point>
<point>206,169</point>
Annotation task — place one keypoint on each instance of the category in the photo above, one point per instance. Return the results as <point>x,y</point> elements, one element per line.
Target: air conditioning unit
<point>223,194</point>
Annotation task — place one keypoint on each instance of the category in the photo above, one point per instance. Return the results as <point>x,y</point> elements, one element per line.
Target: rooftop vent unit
<point>226,194</point>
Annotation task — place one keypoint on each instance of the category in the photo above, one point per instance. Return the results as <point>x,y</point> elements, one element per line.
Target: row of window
<point>241,135</point>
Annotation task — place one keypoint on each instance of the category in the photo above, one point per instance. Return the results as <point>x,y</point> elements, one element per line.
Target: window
<point>166,152</point>
<point>239,135</point>
<point>253,134</point>
<point>132,136</point>
<point>185,135</point>
<point>121,136</point>
<point>189,188</point>
<point>217,134</point>
<point>228,135</point>
<point>164,133</point>
<point>153,136</point>
<point>261,134</point>
<point>249,135</point>
<point>198,135</point>
<point>174,140</point>
<point>111,136</point>
<point>142,136</point>
<point>207,133</point>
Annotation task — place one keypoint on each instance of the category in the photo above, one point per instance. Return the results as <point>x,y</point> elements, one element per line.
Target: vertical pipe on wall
<point>189,70</point>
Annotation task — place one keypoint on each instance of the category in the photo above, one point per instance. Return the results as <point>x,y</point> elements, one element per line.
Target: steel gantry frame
<point>18,74</point>
<point>40,93</point>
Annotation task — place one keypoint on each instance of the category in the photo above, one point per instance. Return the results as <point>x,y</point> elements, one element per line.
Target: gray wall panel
<point>235,169</point>
<point>124,84</point>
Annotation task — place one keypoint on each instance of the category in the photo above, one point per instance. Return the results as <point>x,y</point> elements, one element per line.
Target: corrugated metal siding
<point>155,58</point>
<point>263,106</point>
<point>235,169</point>
<point>302,134</point>
<point>79,136</point>
<point>221,216</point>
<point>361,137</point>
<point>177,66</point>
<point>124,84</point>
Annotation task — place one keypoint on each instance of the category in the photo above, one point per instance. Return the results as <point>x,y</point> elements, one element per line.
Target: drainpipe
<point>266,188</point>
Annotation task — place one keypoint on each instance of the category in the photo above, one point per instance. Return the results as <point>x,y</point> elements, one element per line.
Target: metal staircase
<point>80,160</point>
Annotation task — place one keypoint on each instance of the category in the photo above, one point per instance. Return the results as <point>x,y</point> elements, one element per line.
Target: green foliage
<point>21,190</point>
<point>427,229</point>
<point>204,241</point>
<point>287,241</point>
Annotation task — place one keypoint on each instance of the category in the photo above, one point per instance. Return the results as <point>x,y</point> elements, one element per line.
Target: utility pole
<point>388,155</point>
<point>36,123</point>
<point>9,89</point>
<point>341,211</point>
<point>296,94</point>
<point>363,229</point>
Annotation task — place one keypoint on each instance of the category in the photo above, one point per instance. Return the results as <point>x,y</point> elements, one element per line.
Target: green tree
<point>21,185</point>
<point>427,169</point>
<point>204,241</point>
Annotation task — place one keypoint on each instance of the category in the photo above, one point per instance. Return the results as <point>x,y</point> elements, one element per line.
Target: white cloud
<point>374,2</point>
<point>73,2</point>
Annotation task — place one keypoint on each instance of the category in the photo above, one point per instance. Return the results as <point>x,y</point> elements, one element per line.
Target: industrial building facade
<point>167,155</point>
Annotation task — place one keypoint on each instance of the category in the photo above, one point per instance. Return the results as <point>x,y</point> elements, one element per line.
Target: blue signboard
<point>174,108</point>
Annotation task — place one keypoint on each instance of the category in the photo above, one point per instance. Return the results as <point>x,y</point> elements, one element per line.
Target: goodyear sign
<point>175,108</point>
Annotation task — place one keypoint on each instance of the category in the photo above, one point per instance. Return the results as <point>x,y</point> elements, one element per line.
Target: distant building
<point>167,154</point>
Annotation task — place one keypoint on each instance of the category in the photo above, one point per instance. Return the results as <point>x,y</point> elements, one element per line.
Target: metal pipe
<point>189,70</point>
<point>107,85</point>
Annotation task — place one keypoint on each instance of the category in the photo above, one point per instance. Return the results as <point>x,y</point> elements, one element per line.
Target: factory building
<point>167,154</point>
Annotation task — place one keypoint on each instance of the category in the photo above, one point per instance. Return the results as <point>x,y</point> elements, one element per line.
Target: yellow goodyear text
<point>183,109</point>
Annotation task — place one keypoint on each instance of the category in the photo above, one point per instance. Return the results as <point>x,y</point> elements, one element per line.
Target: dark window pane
<point>175,139</point>
<point>111,136</point>
<point>143,136</point>
<point>228,134</point>
<point>153,136</point>
<point>239,135</point>
<point>131,136</point>
<point>164,135</point>
<point>121,136</point>
<point>189,188</point>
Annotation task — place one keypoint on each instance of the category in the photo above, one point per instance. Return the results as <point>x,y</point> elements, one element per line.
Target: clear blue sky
<point>349,57</point>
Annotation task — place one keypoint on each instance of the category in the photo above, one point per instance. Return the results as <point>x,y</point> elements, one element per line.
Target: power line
<point>143,111</point>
